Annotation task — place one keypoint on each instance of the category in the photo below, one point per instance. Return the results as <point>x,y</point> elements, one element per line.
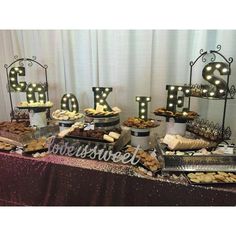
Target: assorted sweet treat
<point>35,104</point>
<point>96,134</point>
<point>212,177</point>
<point>36,145</point>
<point>14,127</point>
<point>64,115</point>
<point>201,152</point>
<point>6,146</point>
<point>101,111</point>
<point>177,142</point>
<point>146,159</point>
<point>185,114</point>
<point>65,132</point>
<point>139,123</point>
<point>20,114</point>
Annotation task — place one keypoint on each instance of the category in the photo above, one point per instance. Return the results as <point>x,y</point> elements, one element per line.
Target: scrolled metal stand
<point>29,62</point>
<point>212,54</point>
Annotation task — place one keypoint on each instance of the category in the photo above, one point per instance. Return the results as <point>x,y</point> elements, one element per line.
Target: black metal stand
<point>26,62</point>
<point>230,92</point>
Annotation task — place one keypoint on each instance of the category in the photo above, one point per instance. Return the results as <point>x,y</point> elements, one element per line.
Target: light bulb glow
<point>218,66</point>
<point>13,72</point>
<point>64,105</point>
<point>172,88</point>
<point>68,95</point>
<point>142,117</point>
<point>208,68</point>
<point>171,96</point>
<point>209,77</point>
<point>204,90</point>
<point>142,104</point>
<point>41,95</point>
<point>179,101</point>
<point>107,89</point>
<point>142,110</point>
<point>224,70</point>
<point>101,101</point>
<point>72,99</point>
<point>179,88</point>
<point>170,105</point>
<point>148,99</point>
<point>34,85</point>
<point>138,98</point>
<point>16,69</point>
<point>64,99</point>
<point>30,89</point>
<point>187,91</point>
<point>39,89</point>
<point>97,89</point>
<point>104,95</point>
<point>97,96</point>
<point>217,82</point>
<point>212,93</point>
<point>221,90</point>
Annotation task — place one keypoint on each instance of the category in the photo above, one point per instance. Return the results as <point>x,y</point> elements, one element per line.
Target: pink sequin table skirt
<point>64,181</point>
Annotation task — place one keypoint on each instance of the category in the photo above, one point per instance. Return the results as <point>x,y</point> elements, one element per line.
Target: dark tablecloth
<point>65,181</point>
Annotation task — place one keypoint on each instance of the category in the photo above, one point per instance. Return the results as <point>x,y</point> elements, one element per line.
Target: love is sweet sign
<point>83,150</point>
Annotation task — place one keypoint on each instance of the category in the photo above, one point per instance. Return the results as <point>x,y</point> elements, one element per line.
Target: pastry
<point>66,115</point>
<point>146,159</point>
<point>177,142</point>
<point>36,144</point>
<point>212,177</point>
<point>139,123</point>
<point>114,135</point>
<point>101,111</point>
<point>108,138</point>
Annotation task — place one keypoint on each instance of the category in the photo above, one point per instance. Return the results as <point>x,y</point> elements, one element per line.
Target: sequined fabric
<point>64,181</point>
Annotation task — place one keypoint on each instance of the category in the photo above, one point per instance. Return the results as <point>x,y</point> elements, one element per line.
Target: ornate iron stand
<point>229,93</point>
<point>25,62</point>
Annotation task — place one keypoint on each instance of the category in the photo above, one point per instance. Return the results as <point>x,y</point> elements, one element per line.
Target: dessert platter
<point>218,177</point>
<point>139,123</point>
<point>184,115</point>
<point>101,112</point>
<point>65,115</point>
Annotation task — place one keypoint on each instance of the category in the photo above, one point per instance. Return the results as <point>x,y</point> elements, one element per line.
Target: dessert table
<point>65,181</point>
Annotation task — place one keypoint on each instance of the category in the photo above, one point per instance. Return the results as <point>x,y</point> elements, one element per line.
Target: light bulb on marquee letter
<point>176,97</point>
<point>13,81</point>
<point>143,106</point>
<point>100,96</point>
<point>32,89</point>
<point>69,102</point>
<point>220,85</point>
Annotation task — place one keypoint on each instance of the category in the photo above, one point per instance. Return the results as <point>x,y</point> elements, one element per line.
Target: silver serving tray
<point>205,163</point>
